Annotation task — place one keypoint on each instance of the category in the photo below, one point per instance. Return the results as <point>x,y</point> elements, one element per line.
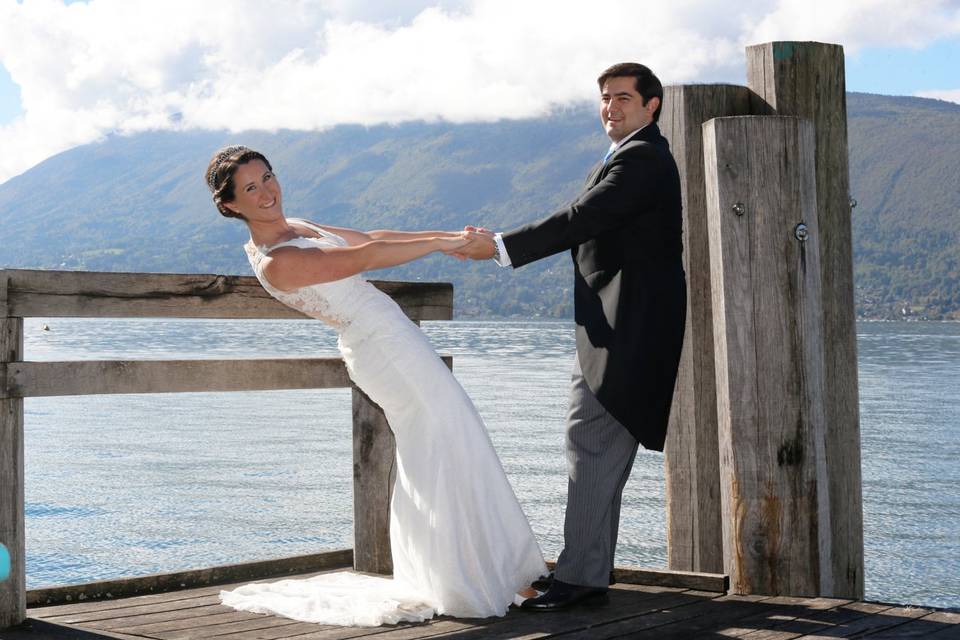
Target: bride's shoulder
<point>309,224</point>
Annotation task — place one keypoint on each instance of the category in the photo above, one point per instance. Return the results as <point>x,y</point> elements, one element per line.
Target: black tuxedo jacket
<point>624,232</point>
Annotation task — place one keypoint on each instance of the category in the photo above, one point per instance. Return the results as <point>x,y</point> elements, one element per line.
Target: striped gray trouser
<point>600,454</point>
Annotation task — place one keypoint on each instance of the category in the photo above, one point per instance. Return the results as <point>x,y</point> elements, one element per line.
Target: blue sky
<point>9,97</point>
<point>905,71</point>
<point>73,72</point>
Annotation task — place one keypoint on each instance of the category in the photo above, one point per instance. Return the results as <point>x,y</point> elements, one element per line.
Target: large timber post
<point>691,452</point>
<point>764,249</point>
<point>806,79</point>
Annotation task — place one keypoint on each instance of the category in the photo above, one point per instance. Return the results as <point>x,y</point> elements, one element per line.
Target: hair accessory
<point>222,155</point>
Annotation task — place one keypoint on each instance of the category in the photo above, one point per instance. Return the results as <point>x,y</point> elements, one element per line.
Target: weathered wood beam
<point>699,581</point>
<point>12,536</point>
<point>691,455</point>
<point>97,377</point>
<point>86,294</point>
<point>761,188</point>
<point>806,79</point>
<point>374,473</point>
<point>190,579</point>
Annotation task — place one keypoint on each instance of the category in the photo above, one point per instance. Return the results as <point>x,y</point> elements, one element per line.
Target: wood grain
<point>85,294</point>
<point>691,451</point>
<point>12,535</point>
<point>806,79</point>
<point>769,355</point>
<point>121,590</point>
<point>96,377</point>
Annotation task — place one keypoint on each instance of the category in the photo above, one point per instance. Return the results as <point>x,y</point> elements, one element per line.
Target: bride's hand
<point>454,244</point>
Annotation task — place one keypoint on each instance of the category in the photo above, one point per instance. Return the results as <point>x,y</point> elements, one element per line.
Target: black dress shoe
<point>561,595</point>
<point>543,582</point>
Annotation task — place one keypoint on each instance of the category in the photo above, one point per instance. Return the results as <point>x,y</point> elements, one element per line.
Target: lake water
<point>139,484</point>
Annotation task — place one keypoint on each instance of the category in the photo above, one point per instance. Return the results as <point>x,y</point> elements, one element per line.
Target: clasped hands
<point>478,244</point>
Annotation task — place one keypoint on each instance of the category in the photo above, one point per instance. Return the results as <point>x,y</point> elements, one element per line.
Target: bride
<point>461,545</point>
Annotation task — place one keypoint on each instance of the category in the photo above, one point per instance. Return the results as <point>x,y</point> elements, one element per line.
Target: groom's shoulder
<point>646,150</point>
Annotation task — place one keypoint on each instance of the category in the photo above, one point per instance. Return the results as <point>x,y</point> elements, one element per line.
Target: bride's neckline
<point>265,248</point>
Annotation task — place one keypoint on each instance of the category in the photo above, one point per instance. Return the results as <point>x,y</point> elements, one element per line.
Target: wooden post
<point>374,472</point>
<point>691,456</point>
<point>13,608</point>
<point>806,79</point>
<point>769,354</point>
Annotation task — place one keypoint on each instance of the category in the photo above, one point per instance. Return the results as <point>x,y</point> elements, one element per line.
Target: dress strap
<point>313,226</point>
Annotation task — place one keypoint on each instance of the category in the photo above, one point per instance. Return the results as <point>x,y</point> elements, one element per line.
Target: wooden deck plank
<point>811,621</point>
<point>329,632</point>
<point>153,629</point>
<point>871,624</point>
<point>624,606</point>
<point>143,609</point>
<point>34,629</point>
<point>656,620</point>
<point>780,610</point>
<point>929,626</point>
<point>262,626</point>
<point>160,617</point>
<point>714,617</point>
<point>279,568</point>
<point>46,611</point>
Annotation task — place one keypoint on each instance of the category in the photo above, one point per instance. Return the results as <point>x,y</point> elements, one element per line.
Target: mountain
<point>139,203</point>
<point>906,226</point>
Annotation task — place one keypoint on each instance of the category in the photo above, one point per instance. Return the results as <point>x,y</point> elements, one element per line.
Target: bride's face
<point>256,192</point>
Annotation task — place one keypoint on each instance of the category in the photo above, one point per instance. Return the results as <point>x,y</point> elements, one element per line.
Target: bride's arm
<point>289,268</point>
<point>355,237</point>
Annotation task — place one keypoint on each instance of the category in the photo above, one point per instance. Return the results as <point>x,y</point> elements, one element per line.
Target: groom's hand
<point>481,245</point>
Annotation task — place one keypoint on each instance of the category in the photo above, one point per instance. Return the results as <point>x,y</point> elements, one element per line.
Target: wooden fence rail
<point>30,293</point>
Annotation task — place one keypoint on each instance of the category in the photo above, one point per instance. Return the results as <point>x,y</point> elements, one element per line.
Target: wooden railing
<point>27,293</point>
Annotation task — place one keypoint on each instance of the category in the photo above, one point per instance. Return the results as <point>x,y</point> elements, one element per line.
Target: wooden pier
<point>763,453</point>
<point>643,604</point>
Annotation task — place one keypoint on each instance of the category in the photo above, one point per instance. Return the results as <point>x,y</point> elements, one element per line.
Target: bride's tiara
<point>219,159</point>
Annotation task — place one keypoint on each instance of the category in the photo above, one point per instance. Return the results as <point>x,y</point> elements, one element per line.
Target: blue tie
<point>609,153</point>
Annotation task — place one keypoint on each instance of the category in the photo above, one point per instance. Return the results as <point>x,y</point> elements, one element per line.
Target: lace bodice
<point>351,303</point>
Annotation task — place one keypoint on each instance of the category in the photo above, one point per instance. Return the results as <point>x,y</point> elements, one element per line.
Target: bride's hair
<point>223,165</point>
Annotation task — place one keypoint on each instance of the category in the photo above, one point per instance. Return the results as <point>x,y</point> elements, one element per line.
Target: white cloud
<point>129,65</point>
<point>950,95</point>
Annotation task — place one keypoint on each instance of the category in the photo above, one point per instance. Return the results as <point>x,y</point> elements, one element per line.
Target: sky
<point>74,72</point>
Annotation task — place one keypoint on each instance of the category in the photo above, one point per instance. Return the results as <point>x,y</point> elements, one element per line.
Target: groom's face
<point>622,109</point>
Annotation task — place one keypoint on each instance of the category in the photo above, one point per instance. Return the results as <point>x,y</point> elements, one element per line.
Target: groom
<point>624,234</point>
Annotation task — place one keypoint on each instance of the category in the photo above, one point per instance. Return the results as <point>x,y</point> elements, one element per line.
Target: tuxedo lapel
<point>649,133</point>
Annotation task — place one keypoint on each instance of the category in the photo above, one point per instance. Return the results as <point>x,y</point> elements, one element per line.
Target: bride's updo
<point>223,165</point>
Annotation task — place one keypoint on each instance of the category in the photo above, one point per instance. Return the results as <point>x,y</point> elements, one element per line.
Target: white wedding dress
<point>461,545</point>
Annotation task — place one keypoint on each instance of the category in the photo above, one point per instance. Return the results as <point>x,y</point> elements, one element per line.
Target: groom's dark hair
<point>648,85</point>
